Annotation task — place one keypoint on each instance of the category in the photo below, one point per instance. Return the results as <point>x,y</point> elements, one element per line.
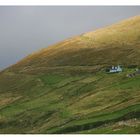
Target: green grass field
<point>81,103</point>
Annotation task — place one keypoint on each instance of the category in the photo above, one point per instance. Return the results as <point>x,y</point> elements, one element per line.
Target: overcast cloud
<point>24,30</point>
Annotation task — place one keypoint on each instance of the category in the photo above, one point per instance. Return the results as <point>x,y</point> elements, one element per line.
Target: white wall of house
<point>119,69</point>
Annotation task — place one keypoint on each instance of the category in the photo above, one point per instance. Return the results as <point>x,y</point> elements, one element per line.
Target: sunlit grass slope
<point>116,44</point>
<point>65,89</point>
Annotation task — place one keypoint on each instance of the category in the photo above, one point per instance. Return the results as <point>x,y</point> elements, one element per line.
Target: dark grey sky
<point>24,30</point>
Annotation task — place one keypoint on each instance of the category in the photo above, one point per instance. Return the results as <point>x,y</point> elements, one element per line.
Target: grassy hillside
<point>116,44</point>
<point>65,89</point>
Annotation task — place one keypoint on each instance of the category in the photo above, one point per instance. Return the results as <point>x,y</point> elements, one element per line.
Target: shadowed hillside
<point>65,89</point>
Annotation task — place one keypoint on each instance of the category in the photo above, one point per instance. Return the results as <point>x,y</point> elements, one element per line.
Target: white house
<point>115,69</point>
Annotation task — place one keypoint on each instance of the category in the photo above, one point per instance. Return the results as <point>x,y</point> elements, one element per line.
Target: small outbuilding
<point>130,75</point>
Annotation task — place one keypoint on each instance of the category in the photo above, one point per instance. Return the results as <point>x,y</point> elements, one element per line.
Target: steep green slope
<point>65,89</point>
<point>55,103</point>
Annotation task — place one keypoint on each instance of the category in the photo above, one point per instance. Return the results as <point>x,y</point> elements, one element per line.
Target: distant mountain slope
<point>116,44</point>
